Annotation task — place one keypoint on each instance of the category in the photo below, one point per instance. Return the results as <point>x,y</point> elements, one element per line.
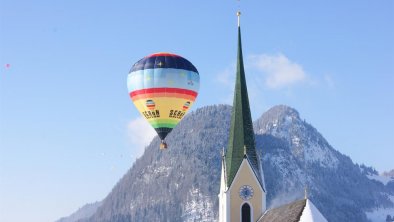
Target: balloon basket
<point>163,145</point>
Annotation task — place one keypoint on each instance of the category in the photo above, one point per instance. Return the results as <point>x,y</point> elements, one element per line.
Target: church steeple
<point>242,196</point>
<point>241,131</point>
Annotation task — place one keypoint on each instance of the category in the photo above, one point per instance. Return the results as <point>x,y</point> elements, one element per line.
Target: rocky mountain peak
<point>277,117</point>
<point>303,141</point>
<point>282,111</point>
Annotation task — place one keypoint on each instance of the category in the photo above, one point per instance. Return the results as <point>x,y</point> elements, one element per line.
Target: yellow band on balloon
<point>163,111</point>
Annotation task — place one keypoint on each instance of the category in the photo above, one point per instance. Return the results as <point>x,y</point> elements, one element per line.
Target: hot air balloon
<point>163,87</point>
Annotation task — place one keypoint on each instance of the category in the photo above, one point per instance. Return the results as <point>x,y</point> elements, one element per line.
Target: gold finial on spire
<point>244,150</point>
<point>239,15</point>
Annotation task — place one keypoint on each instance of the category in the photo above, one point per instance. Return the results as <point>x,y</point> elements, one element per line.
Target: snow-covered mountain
<point>182,183</point>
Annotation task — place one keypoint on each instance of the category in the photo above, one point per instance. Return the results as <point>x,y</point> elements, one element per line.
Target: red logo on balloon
<point>186,106</point>
<point>150,104</point>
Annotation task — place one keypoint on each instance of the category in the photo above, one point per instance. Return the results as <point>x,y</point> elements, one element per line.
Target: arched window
<point>245,212</point>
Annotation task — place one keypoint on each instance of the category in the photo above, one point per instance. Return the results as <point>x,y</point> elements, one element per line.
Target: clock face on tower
<point>246,192</point>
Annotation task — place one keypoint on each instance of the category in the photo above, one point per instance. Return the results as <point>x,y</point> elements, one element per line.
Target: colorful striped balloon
<point>163,87</point>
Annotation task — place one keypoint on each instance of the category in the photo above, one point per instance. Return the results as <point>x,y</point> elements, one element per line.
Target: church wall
<point>246,176</point>
<point>223,200</point>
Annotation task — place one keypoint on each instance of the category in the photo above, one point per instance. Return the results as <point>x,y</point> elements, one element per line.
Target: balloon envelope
<point>163,87</point>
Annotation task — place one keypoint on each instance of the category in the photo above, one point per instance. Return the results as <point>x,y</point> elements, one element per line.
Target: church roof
<point>286,213</point>
<point>298,211</point>
<point>241,130</point>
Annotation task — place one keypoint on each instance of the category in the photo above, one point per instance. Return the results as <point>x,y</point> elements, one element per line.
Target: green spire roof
<point>241,131</point>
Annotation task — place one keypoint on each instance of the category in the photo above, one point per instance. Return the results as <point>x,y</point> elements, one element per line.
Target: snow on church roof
<point>311,213</point>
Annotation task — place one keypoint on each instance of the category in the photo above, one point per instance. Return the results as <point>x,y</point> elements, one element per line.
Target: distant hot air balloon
<point>163,87</point>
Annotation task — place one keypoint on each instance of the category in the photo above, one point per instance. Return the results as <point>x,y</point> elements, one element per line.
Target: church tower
<point>242,194</point>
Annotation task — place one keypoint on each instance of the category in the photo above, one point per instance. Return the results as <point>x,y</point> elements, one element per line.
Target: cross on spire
<point>239,18</point>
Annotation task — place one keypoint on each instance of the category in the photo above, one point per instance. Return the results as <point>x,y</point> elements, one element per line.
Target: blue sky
<point>69,132</point>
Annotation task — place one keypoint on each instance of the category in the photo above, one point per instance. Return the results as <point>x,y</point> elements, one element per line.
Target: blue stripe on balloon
<point>158,78</point>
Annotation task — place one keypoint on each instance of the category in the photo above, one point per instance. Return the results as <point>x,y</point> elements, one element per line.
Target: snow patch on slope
<point>198,207</point>
<point>379,214</point>
<point>151,173</point>
<point>380,178</point>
